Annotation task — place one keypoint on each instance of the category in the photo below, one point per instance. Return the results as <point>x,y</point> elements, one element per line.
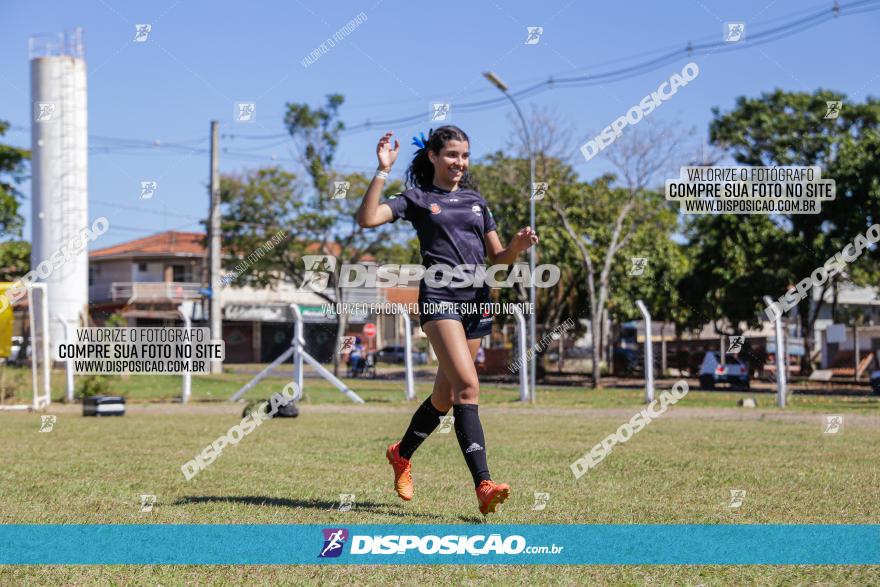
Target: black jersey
<point>451,227</point>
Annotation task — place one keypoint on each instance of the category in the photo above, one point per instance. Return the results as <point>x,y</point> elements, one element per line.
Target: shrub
<point>91,385</point>
<point>116,320</point>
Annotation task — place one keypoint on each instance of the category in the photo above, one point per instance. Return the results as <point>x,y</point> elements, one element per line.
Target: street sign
<point>370,329</point>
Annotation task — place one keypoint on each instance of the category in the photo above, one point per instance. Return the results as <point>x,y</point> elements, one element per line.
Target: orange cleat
<point>491,494</point>
<point>403,482</point>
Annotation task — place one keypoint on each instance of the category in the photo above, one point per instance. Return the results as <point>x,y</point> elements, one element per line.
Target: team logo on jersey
<point>435,209</point>
<point>476,209</point>
<point>334,540</point>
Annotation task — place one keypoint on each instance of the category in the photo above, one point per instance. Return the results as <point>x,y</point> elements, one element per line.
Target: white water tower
<point>59,161</point>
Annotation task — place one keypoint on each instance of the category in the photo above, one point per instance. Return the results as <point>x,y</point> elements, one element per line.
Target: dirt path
<point>732,414</point>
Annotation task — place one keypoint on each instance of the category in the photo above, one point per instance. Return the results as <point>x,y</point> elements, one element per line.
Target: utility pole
<point>496,81</point>
<point>214,244</point>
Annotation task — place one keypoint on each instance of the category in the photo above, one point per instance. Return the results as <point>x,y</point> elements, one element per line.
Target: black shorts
<point>477,322</point>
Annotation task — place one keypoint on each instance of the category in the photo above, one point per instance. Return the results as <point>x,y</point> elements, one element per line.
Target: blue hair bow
<point>420,142</point>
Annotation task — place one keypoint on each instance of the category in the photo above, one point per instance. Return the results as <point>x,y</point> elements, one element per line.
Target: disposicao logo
<point>334,540</point>
<point>431,544</point>
<point>473,545</point>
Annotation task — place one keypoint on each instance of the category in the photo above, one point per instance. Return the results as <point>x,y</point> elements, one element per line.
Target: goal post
<point>299,354</point>
<point>38,342</point>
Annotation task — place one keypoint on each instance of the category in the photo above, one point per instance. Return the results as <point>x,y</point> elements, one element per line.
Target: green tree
<point>735,261</point>
<point>747,257</point>
<point>504,183</point>
<point>603,219</point>
<point>503,180</point>
<point>315,131</point>
<point>15,259</point>
<point>667,262</point>
<point>263,202</point>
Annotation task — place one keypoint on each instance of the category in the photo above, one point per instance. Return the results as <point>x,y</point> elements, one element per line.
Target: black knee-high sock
<point>424,421</point>
<point>471,440</point>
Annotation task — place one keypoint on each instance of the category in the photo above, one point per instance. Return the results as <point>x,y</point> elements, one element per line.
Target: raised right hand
<point>386,155</point>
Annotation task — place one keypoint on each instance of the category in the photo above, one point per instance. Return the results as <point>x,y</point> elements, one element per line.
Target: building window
<point>181,273</point>
<point>142,267</point>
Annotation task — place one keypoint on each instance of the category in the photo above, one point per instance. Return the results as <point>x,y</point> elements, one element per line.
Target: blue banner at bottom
<point>204,544</point>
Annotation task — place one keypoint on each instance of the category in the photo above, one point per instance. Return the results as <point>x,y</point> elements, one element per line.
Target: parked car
<point>15,349</point>
<point>734,372</point>
<point>396,354</point>
<point>16,357</point>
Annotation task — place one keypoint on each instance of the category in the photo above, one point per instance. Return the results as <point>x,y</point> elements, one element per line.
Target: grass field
<point>680,469</point>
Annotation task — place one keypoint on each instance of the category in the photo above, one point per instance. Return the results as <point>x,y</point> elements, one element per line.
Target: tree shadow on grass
<point>284,502</point>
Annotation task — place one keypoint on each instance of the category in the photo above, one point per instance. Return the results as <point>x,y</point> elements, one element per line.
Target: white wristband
<point>381,174</point>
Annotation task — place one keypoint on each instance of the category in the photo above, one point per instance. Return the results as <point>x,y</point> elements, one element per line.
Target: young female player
<point>454,227</point>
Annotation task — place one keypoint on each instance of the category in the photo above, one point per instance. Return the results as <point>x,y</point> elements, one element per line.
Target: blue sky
<point>201,57</point>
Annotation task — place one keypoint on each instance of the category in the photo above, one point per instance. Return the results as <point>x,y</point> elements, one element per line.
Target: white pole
<point>332,379</point>
<point>47,364</point>
<point>523,366</point>
<point>262,374</point>
<point>187,375</point>
<point>495,81</point>
<point>32,324</point>
<point>214,251</point>
<point>296,347</point>
<point>781,355</point>
<point>46,398</point>
<point>649,353</point>
<point>68,363</point>
<point>302,354</point>
<point>410,385</point>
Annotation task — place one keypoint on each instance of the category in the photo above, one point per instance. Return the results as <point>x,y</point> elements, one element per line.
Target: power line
<point>231,154</point>
<point>146,230</point>
<point>760,38</point>
<point>802,21</point>
<point>678,46</point>
<point>142,210</point>
<point>799,24</point>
